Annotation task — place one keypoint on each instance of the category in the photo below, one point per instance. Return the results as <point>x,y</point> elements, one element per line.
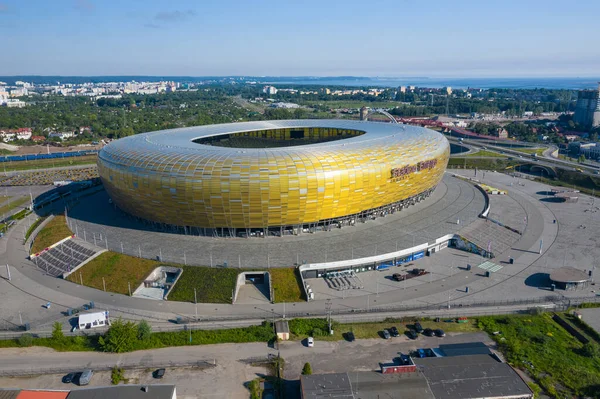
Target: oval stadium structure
<point>284,176</point>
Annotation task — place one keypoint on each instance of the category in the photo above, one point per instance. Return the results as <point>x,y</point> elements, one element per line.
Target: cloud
<point>174,16</point>
<point>84,5</point>
<point>152,26</point>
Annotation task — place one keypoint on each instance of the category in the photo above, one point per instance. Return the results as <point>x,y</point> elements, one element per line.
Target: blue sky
<point>436,38</point>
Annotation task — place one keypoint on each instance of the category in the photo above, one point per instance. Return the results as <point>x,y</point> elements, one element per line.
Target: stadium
<point>272,178</point>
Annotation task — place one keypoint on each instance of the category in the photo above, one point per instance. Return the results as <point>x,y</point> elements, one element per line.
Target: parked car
<point>439,333</point>
<point>158,373</point>
<point>394,331</point>
<point>412,334</point>
<point>428,332</point>
<point>85,377</point>
<point>67,379</point>
<point>386,334</point>
<point>310,342</point>
<point>421,353</point>
<point>418,327</point>
<point>350,336</point>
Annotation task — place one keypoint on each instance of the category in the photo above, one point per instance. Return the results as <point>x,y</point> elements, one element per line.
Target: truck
<point>411,274</point>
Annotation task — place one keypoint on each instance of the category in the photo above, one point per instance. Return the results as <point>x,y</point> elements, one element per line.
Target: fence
<point>442,310</point>
<point>54,155</point>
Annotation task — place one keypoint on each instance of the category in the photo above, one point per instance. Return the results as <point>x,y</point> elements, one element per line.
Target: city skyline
<point>387,39</point>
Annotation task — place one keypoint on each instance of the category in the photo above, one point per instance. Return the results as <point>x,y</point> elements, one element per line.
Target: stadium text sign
<point>408,169</point>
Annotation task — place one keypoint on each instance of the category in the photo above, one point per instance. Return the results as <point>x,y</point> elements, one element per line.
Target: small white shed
<point>92,320</point>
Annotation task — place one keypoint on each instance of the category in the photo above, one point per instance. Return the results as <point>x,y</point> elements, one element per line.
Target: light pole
<point>196,304</point>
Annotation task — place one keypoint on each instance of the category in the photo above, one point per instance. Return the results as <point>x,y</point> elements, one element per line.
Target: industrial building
<point>159,391</point>
<point>272,178</point>
<point>587,110</point>
<point>465,371</point>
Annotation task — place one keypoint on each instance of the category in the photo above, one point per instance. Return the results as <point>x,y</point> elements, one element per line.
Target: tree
<point>120,337</point>
<point>57,332</point>
<point>306,370</point>
<point>144,330</point>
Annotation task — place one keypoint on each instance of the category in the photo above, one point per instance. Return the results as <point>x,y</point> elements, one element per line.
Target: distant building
<point>501,133</point>
<point>587,110</point>
<point>270,90</point>
<point>447,90</point>
<point>364,112</point>
<point>62,135</point>
<point>38,139</point>
<point>590,151</point>
<point>12,103</point>
<point>402,89</point>
<point>284,105</point>
<point>15,134</point>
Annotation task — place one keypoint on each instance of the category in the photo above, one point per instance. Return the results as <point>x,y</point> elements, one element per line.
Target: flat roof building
<point>319,386</point>
<point>570,278</point>
<point>126,392</point>
<point>472,377</point>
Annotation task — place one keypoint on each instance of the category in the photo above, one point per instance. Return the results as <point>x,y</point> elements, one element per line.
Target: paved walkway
<point>96,221</point>
<point>30,288</point>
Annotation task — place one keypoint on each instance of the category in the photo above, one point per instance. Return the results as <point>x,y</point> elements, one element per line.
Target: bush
<point>57,332</point>
<point>306,370</point>
<point>305,327</point>
<point>117,375</point>
<point>120,337</point>
<point>254,387</point>
<point>25,340</point>
<point>144,330</point>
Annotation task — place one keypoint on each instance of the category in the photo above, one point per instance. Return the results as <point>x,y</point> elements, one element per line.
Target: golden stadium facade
<point>272,177</point>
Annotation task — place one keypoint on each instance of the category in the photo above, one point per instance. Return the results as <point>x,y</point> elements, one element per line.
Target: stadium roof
<point>181,141</point>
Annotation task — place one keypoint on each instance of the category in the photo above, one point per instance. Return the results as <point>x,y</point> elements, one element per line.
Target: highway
<point>545,160</point>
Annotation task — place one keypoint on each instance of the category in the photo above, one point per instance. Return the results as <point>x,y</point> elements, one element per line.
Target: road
<point>227,379</point>
<point>30,288</point>
<point>547,160</point>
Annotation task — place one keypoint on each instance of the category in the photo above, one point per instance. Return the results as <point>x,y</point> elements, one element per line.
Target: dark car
<point>158,373</point>
<point>394,331</point>
<point>386,334</point>
<point>418,327</point>
<point>67,379</point>
<point>412,334</point>
<point>428,332</point>
<point>439,333</point>
<point>350,336</point>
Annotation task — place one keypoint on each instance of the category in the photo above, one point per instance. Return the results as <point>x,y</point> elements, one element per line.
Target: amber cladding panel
<point>169,177</point>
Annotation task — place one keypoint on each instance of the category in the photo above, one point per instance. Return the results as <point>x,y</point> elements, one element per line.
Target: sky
<point>396,38</point>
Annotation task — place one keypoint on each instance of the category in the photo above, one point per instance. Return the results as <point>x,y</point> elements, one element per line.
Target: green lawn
<point>14,203</point>
<point>118,270</point>
<point>486,153</point>
<point>549,353</point>
<point>214,285</point>
<point>531,151</point>
<point>34,226</point>
<point>49,163</point>
<point>52,233</point>
<point>286,285</point>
